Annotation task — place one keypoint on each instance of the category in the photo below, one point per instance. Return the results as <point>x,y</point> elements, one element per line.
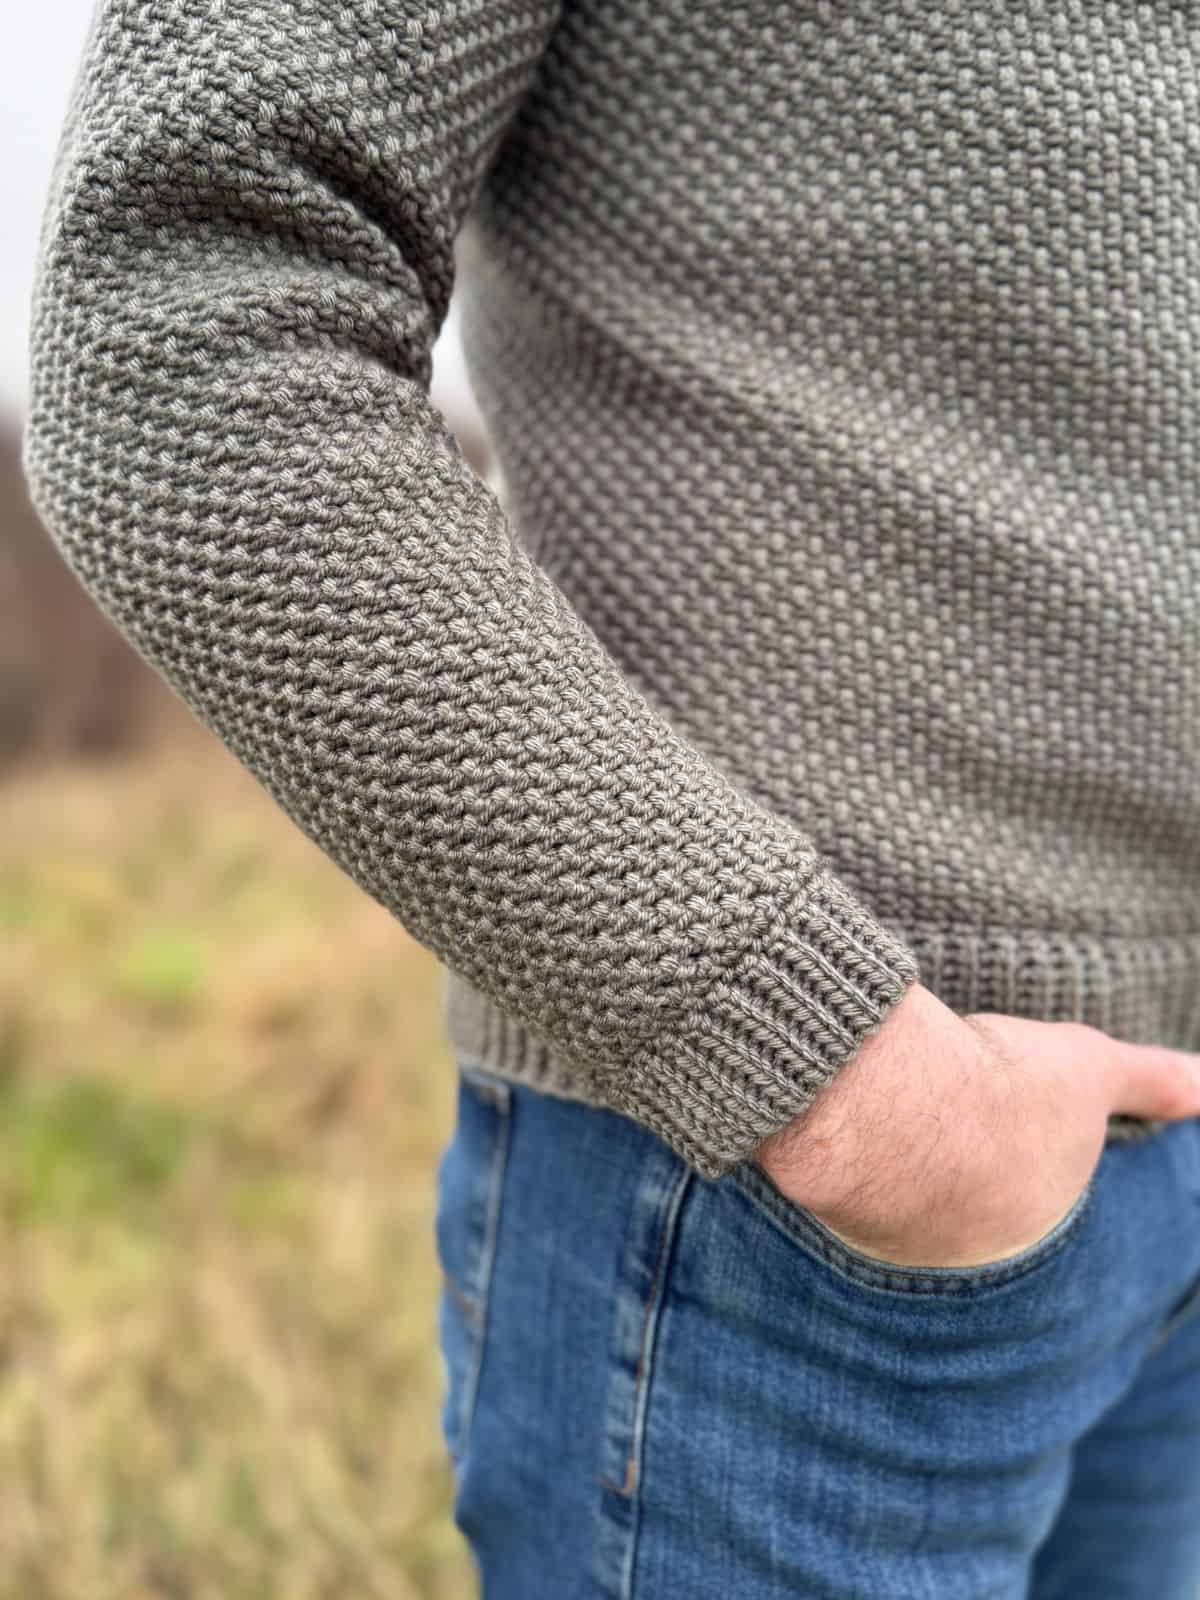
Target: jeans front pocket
<point>469,1189</point>
<point>819,1241</point>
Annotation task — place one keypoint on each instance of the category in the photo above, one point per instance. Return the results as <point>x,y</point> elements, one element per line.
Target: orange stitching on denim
<point>468,1307</point>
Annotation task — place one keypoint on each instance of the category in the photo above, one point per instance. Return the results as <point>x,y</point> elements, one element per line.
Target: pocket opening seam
<point>822,1245</point>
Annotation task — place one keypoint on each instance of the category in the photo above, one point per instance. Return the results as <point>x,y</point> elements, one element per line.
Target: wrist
<point>818,1157</point>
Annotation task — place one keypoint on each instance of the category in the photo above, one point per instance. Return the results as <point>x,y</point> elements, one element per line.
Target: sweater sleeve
<point>245,258</point>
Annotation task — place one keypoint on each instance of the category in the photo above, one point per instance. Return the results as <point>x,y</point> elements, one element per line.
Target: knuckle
<point>1176,1098</point>
<point>1083,1033</point>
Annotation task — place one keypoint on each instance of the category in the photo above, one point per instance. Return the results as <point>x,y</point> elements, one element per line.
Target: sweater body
<point>843,370</point>
<point>837,624</point>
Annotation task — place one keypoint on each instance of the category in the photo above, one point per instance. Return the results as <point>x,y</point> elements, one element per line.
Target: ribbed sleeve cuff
<point>772,1031</point>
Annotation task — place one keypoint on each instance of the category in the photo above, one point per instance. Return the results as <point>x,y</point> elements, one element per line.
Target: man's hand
<point>953,1141</point>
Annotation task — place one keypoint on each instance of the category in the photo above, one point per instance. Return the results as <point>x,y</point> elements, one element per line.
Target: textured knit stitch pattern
<point>837,622</point>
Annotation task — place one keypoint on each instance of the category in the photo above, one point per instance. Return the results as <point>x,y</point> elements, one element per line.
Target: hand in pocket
<point>953,1141</point>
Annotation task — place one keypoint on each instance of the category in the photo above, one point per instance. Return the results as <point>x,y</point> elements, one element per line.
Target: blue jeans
<point>663,1388</point>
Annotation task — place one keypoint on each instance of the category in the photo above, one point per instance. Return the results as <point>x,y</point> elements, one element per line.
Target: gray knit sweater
<point>838,625</point>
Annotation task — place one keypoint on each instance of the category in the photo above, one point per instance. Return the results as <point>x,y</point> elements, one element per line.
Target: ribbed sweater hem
<point>1144,990</point>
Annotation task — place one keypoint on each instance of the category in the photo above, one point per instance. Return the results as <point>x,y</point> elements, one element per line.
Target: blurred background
<point>223,1090</point>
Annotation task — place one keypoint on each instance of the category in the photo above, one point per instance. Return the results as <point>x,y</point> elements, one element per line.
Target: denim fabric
<point>661,1386</point>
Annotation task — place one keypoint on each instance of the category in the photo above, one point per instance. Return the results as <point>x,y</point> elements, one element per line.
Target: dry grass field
<point>223,1089</point>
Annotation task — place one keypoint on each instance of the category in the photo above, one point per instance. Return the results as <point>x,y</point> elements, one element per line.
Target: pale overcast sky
<point>42,45</point>
<point>43,41</point>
